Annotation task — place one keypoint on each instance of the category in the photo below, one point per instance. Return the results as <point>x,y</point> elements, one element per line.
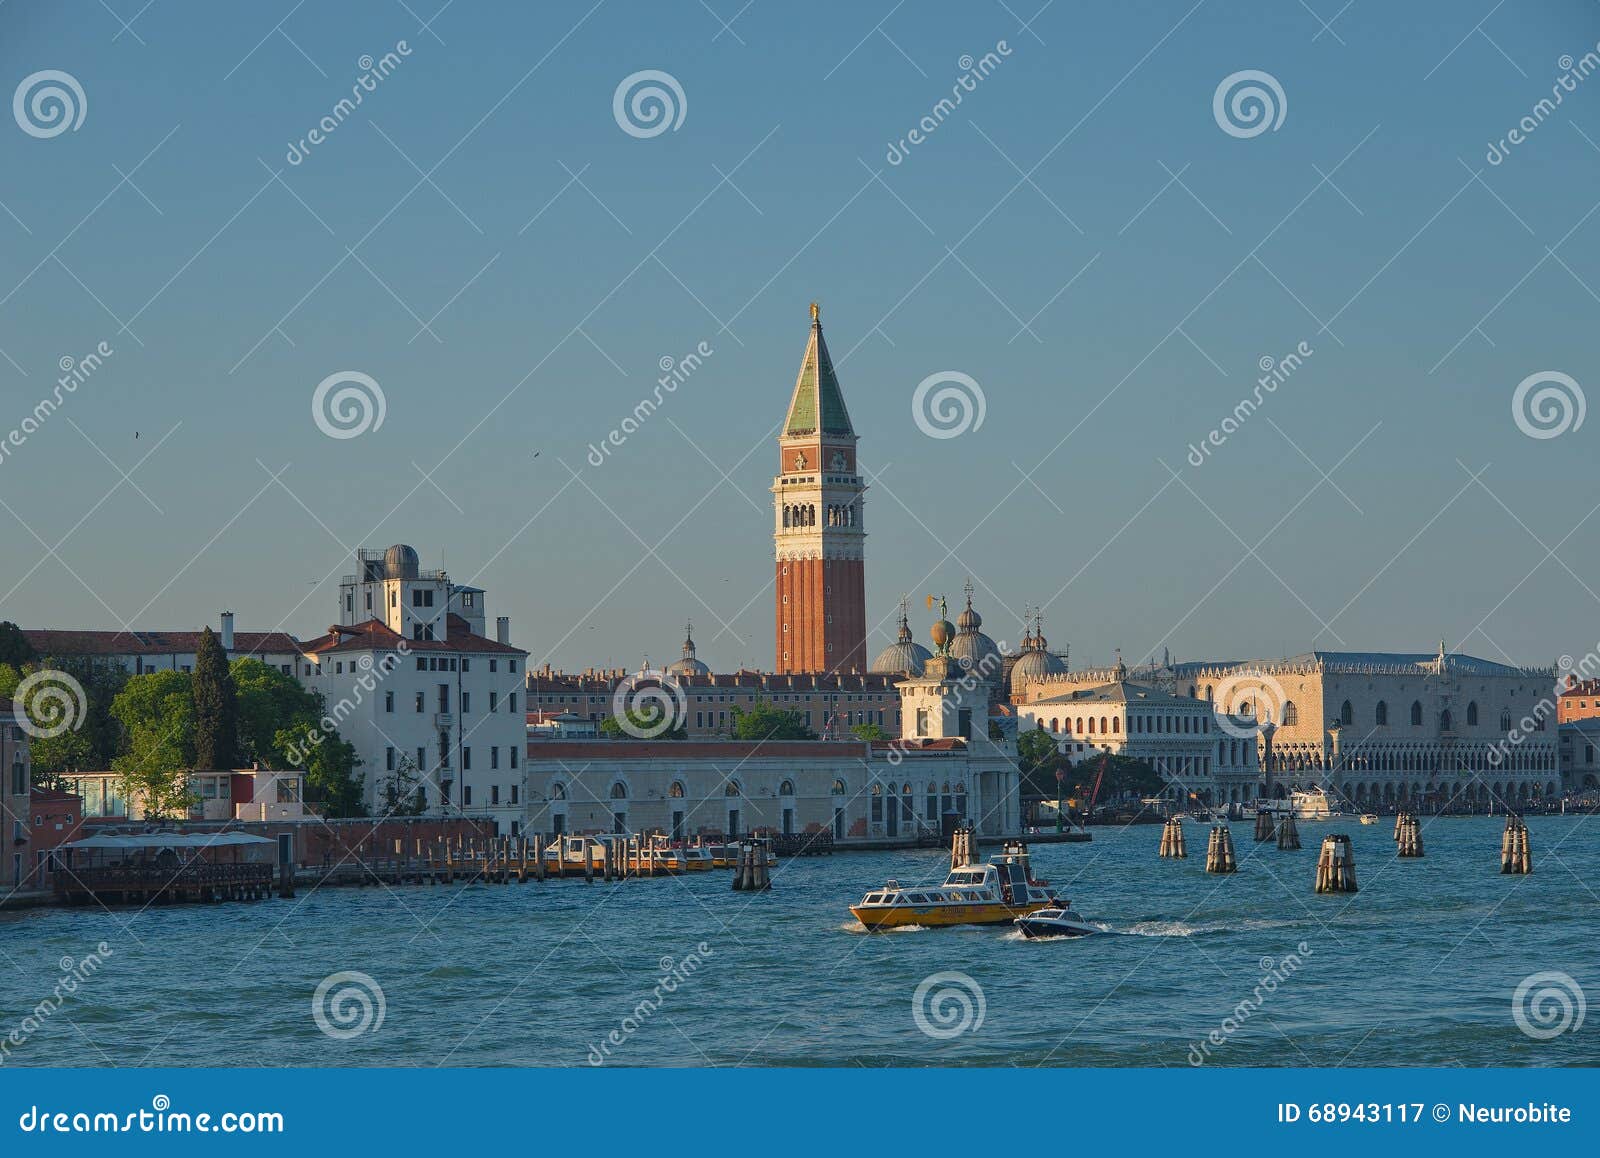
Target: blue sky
<point>1083,187</point>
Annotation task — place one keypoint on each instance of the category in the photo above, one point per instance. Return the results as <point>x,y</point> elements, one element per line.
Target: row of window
<point>1380,715</point>
<point>444,701</point>
<point>1112,725</point>
<point>391,758</point>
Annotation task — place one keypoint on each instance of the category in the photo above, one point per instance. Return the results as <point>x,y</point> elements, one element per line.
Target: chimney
<point>502,629</point>
<point>227,631</point>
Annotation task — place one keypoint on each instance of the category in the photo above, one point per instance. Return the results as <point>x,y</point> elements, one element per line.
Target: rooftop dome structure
<point>972,649</point>
<point>904,655</point>
<point>1037,661</point>
<point>688,665</point>
<point>400,562</point>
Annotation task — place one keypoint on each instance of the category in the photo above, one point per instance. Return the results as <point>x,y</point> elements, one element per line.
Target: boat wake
<point>1195,928</point>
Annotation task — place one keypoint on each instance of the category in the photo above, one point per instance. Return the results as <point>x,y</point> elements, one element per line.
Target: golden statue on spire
<point>816,312</point>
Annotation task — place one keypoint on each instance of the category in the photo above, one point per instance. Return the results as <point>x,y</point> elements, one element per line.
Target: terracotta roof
<point>576,750</point>
<point>374,635</point>
<point>53,796</point>
<point>64,643</point>
<point>1583,688</point>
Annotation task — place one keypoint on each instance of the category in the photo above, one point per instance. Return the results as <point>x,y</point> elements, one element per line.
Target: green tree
<point>766,722</point>
<point>281,725</point>
<point>15,650</point>
<point>640,725</point>
<point>97,739</point>
<point>156,712</point>
<point>216,709</point>
<point>10,677</point>
<point>869,732</point>
<point>1038,759</point>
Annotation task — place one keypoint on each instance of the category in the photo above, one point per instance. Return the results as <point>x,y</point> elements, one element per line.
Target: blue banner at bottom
<point>793,1111</point>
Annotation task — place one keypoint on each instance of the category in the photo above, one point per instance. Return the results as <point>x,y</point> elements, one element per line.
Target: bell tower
<point>817,498</point>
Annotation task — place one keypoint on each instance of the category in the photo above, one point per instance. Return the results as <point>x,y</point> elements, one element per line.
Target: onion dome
<point>974,650</point>
<point>904,654</point>
<point>688,665</point>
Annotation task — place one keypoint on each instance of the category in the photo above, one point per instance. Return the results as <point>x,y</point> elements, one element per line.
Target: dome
<point>400,562</point>
<point>975,651</point>
<point>688,665</point>
<point>1035,665</point>
<point>969,620</point>
<point>903,655</point>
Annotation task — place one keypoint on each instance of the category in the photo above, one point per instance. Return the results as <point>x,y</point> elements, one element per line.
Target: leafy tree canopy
<point>766,722</point>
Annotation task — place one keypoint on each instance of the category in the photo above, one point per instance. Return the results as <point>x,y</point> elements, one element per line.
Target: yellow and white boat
<point>996,893</point>
<point>697,859</point>
<point>655,857</point>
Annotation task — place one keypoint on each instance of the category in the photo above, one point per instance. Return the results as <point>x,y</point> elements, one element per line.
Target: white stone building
<point>943,768</point>
<point>1182,738</point>
<point>427,702</point>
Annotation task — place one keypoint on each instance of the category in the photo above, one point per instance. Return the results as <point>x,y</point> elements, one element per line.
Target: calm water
<point>1418,968</point>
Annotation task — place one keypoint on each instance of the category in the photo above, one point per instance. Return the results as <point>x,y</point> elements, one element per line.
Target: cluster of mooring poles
<point>1516,856</point>
<point>750,871</point>
<point>1172,839</point>
<point>1407,835</point>
<point>964,847</point>
<point>1219,851</point>
<point>1336,865</point>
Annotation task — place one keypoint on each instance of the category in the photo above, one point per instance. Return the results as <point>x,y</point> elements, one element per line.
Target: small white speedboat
<point>1055,923</point>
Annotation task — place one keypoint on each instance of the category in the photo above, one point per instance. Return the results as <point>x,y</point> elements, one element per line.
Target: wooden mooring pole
<point>1172,843</point>
<point>1336,865</point>
<point>1288,834</point>
<point>1264,828</point>
<point>1516,854</point>
<point>1409,841</point>
<point>1219,851</point>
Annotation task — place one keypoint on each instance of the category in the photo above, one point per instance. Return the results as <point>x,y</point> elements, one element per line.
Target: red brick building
<point>1580,701</point>
<point>821,602</point>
